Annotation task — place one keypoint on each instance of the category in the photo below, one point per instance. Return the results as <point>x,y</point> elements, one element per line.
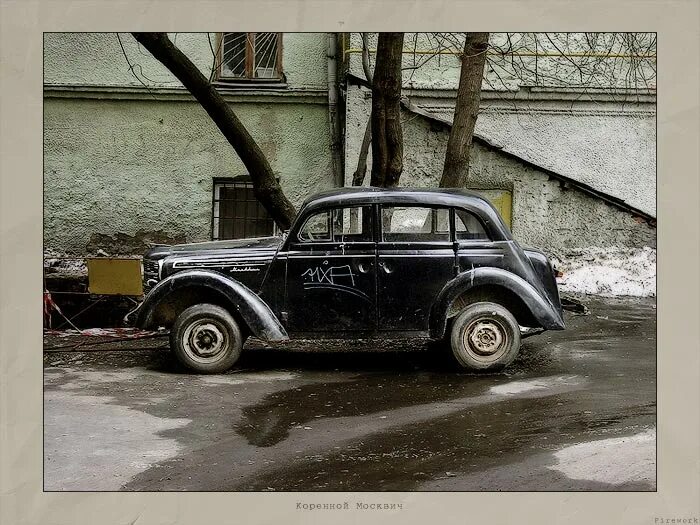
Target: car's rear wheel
<point>485,337</point>
<point>206,339</point>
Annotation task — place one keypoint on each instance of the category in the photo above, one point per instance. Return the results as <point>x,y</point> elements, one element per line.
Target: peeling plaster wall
<point>138,168</point>
<point>545,215</point>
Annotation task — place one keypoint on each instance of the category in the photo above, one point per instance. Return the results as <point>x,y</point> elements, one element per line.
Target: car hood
<point>238,247</point>
<point>258,244</point>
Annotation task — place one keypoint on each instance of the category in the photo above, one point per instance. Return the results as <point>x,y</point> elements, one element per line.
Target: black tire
<point>485,337</point>
<point>206,339</point>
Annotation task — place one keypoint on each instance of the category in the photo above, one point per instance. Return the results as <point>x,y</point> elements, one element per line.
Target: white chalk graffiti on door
<point>340,278</point>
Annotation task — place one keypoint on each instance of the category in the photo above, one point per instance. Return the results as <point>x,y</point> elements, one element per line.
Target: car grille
<point>150,273</point>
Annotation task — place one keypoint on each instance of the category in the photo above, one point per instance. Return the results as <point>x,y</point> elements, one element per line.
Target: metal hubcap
<point>205,339</point>
<point>486,337</point>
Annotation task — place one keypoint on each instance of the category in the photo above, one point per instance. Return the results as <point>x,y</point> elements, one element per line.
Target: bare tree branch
<point>265,186</point>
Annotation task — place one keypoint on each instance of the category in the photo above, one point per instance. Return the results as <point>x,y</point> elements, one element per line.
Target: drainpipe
<point>333,110</point>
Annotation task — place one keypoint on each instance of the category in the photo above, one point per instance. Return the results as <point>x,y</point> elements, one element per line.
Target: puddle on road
<point>379,402</point>
<point>348,396</point>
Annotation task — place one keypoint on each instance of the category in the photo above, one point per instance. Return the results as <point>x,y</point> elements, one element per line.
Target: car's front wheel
<point>206,339</point>
<point>485,337</point>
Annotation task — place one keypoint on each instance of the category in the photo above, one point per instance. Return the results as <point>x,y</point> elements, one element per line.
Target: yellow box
<point>114,276</point>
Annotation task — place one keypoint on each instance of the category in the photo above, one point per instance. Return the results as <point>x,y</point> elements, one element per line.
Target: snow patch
<point>519,387</point>
<point>87,452</point>
<point>241,378</point>
<point>615,461</point>
<point>609,272</point>
<point>64,264</point>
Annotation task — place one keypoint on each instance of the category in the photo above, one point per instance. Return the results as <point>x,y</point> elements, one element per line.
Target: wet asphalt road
<point>576,411</point>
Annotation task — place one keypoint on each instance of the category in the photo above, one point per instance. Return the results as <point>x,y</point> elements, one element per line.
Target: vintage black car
<point>357,263</point>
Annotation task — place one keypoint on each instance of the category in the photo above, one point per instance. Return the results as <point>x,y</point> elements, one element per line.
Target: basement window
<point>250,57</point>
<point>236,213</point>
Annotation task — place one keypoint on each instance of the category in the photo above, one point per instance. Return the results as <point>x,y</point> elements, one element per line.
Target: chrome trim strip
<point>216,264</point>
<point>451,254</point>
<point>317,256</point>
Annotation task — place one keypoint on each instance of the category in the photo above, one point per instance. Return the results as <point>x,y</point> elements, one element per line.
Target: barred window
<point>236,213</point>
<point>250,56</point>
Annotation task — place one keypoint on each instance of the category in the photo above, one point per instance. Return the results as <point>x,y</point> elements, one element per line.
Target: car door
<point>415,258</point>
<point>331,273</point>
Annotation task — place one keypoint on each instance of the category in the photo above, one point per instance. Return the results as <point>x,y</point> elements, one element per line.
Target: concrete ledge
<point>279,94</point>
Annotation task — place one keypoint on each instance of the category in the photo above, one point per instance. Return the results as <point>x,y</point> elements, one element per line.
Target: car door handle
<point>363,267</point>
<point>386,267</point>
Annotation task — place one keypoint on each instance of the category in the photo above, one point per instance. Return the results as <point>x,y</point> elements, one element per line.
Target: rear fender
<point>538,307</point>
<point>205,284</point>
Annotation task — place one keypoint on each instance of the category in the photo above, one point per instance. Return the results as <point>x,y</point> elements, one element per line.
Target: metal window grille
<point>236,213</point>
<point>250,56</point>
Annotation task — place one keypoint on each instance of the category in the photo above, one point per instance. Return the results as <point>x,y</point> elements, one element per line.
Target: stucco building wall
<point>423,69</point>
<point>145,169</point>
<point>124,166</point>
<point>597,133</point>
<point>545,213</point>
<point>96,59</point>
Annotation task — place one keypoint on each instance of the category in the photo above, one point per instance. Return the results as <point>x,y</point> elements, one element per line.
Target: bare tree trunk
<point>387,137</point>
<point>456,168</point>
<point>359,176</point>
<point>267,189</point>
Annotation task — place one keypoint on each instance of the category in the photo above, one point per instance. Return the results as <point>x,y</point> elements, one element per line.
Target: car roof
<point>447,197</point>
<point>401,196</point>
<point>367,195</point>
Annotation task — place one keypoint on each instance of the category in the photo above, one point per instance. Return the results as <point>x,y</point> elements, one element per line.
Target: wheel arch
<point>493,285</point>
<point>184,289</point>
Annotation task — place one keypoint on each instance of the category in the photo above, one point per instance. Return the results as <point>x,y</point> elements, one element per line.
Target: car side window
<point>415,224</point>
<point>468,227</point>
<point>316,228</point>
<point>351,224</point>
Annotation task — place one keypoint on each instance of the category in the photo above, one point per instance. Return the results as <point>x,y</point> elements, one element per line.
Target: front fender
<point>541,309</point>
<point>255,312</point>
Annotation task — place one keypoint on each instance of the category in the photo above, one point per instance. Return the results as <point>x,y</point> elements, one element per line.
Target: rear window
<point>468,227</point>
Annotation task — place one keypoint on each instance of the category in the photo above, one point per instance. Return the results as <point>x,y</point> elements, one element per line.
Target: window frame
<point>368,213</point>
<point>433,213</point>
<point>476,216</point>
<point>249,77</point>
<point>452,210</point>
<point>222,182</point>
<point>329,224</point>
